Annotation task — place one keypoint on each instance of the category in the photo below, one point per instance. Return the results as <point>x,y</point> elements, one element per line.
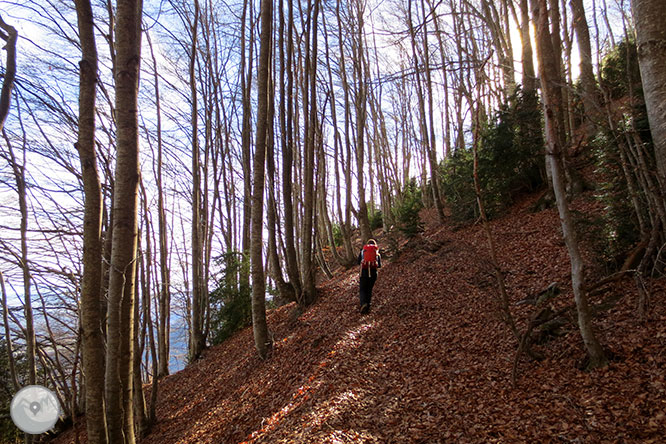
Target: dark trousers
<point>365,286</point>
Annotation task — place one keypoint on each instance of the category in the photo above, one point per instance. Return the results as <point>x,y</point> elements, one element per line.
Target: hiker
<point>370,261</point>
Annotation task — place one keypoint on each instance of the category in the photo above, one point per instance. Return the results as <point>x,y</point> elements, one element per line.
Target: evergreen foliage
<point>230,303</point>
<point>407,208</point>
<point>375,217</point>
<point>510,156</point>
<point>617,229</point>
<point>337,235</point>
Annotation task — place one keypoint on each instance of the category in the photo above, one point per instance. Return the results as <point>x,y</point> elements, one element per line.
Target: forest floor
<point>432,362</point>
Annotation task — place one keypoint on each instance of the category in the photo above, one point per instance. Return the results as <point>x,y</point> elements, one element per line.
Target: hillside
<point>431,362</point>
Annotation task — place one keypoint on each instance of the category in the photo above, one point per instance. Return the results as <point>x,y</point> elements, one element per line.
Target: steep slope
<point>431,362</point>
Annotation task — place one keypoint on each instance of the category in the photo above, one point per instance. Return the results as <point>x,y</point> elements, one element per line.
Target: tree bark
<point>288,159</point>
<point>8,338</point>
<point>308,292</point>
<point>548,70</point>
<point>588,82</point>
<point>91,283</point>
<point>197,340</point>
<point>10,70</point>
<point>120,324</point>
<point>164,298</point>
<point>262,340</point>
<point>651,46</point>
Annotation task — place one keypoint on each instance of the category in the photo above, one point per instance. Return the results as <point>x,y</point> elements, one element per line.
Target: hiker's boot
<point>365,308</point>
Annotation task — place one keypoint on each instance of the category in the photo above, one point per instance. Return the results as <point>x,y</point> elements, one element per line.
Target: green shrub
<point>510,160</point>
<point>337,235</point>
<point>619,72</point>
<point>230,302</point>
<point>407,208</point>
<point>375,217</point>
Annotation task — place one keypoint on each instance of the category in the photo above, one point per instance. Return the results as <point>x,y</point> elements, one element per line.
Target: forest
<point>185,186</point>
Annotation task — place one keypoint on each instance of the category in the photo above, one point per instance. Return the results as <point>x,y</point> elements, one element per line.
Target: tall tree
<point>358,60</point>
<point>287,124</point>
<point>261,338</point>
<point>308,292</point>
<point>552,101</point>
<point>163,321</point>
<point>198,339</point>
<point>120,324</point>
<point>91,283</point>
<point>651,46</point>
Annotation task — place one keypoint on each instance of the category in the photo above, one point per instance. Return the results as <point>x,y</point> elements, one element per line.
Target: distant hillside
<point>431,362</point>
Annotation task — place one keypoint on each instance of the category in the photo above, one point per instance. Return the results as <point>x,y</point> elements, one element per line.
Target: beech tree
<point>262,340</point>
<point>552,102</point>
<point>651,46</point>
<point>91,283</point>
<point>122,273</point>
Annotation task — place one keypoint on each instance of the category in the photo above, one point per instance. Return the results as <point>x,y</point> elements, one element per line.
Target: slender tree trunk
<point>262,340</point>
<point>91,283</point>
<point>361,117</point>
<point>197,340</point>
<point>286,290</point>
<point>246,88</point>
<point>345,224</point>
<point>288,162</point>
<point>138,398</point>
<point>308,292</point>
<point>120,324</point>
<point>8,338</point>
<point>432,147</point>
<point>19,176</point>
<point>550,80</point>
<point>164,298</point>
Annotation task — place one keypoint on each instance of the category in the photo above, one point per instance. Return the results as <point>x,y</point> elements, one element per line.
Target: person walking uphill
<point>370,261</point>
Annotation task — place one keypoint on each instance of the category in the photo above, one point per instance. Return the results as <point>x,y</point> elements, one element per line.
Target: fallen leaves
<point>431,363</point>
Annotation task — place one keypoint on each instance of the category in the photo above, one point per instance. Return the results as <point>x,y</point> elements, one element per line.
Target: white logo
<point>34,409</point>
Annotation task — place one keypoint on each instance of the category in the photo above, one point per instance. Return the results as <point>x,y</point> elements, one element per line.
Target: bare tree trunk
<point>163,327</point>
<point>197,340</point>
<point>120,326</point>
<point>262,340</point>
<point>10,69</point>
<point>590,92</point>
<point>246,88</point>
<point>308,292</point>
<point>425,135</point>
<point>345,224</point>
<point>548,70</point>
<point>8,338</point>
<point>19,176</point>
<point>286,289</point>
<point>138,398</point>
<point>651,46</point>
<point>288,160</point>
<point>529,75</point>
<point>91,283</point>
<point>432,147</point>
